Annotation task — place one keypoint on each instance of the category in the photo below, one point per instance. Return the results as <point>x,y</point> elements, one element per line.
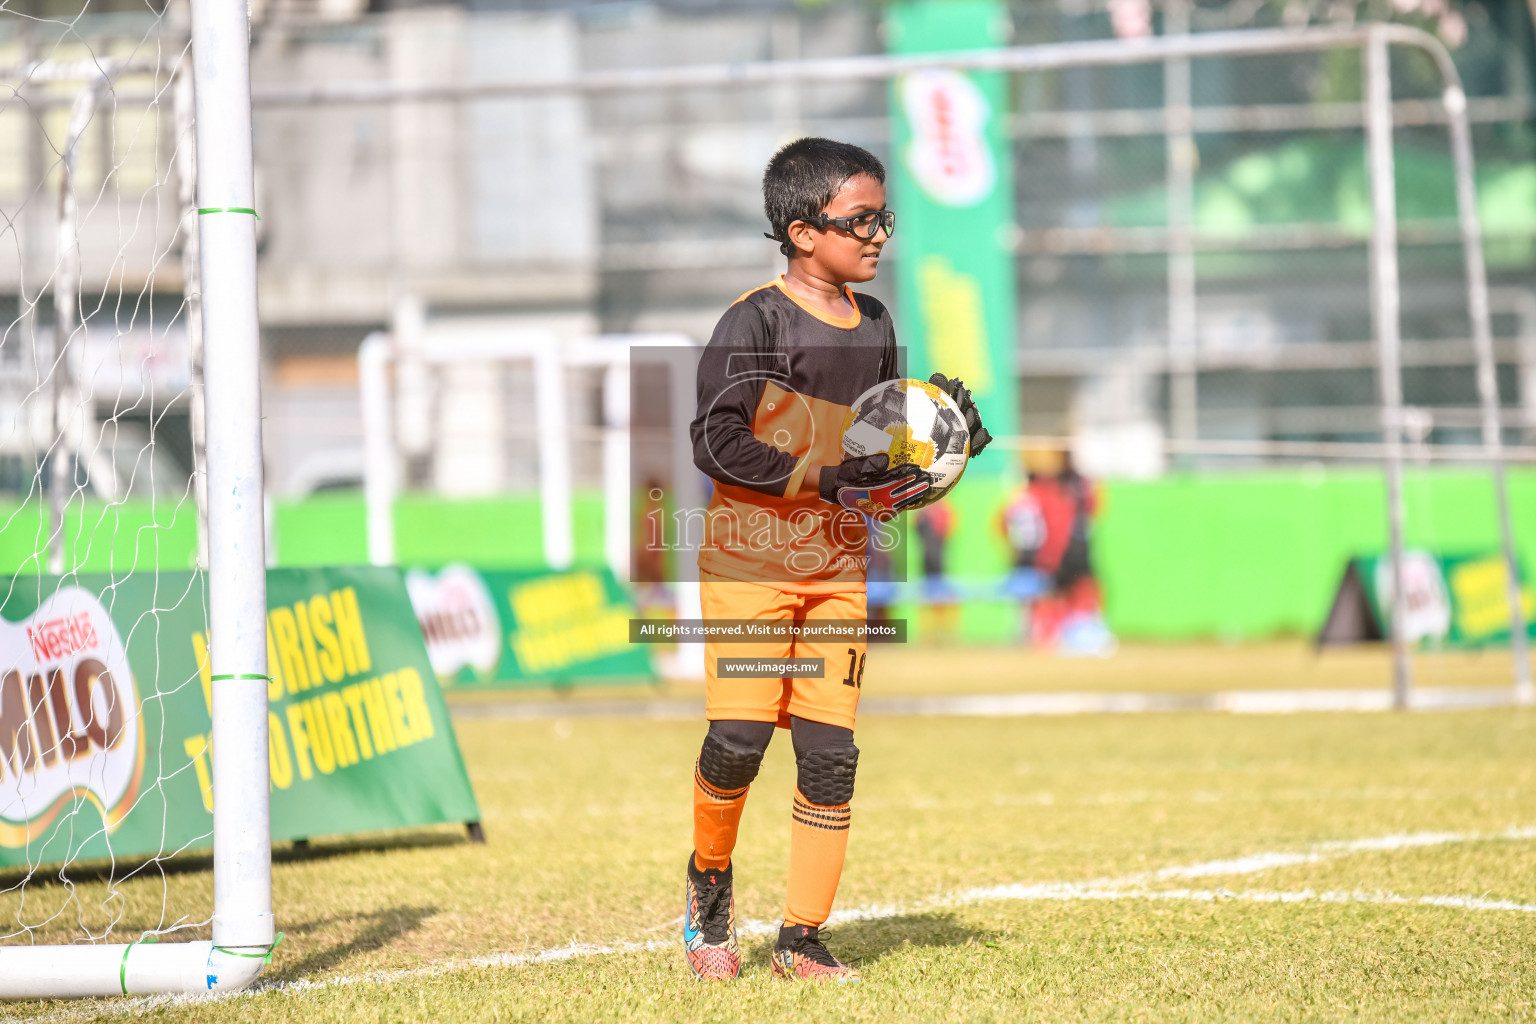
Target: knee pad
<point>826,774</point>
<point>726,762</point>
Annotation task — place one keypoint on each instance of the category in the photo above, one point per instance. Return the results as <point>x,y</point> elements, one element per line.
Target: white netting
<point>98,512</point>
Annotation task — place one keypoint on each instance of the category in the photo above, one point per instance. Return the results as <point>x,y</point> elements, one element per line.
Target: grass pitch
<point>588,822</point>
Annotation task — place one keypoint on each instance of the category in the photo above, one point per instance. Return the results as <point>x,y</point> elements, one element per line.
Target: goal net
<point>95,398</point>
<point>106,681</point>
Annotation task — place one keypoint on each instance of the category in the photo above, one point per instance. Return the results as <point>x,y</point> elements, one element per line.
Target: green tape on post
<point>227,209</point>
<point>122,971</point>
<point>265,958</point>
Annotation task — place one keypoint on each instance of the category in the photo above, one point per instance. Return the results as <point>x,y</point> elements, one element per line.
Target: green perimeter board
<point>362,742</point>
<point>1453,600</point>
<point>566,627</point>
<point>1248,555</point>
<point>1230,556</point>
<point>509,627</point>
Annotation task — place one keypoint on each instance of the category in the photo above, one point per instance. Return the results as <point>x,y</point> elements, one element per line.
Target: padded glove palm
<point>957,390</point>
<point>870,484</point>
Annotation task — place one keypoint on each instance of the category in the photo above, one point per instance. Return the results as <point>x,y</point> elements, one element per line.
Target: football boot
<point>709,924</point>
<point>800,953</point>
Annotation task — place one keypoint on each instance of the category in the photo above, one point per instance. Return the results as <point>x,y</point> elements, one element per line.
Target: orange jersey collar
<point>845,322</point>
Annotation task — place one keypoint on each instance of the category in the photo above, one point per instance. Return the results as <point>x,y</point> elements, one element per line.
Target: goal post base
<point>126,969</point>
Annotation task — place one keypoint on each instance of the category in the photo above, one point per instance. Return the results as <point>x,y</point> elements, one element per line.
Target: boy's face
<point>837,254</point>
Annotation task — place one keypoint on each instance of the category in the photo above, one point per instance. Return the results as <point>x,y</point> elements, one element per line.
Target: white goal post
<point>243,929</point>
<point>422,344</point>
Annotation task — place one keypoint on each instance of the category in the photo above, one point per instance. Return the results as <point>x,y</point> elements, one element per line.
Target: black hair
<point>804,176</point>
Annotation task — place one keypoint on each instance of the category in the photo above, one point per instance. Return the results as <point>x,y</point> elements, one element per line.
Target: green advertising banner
<point>1452,601</point>
<point>952,184</point>
<point>504,627</point>
<point>105,721</point>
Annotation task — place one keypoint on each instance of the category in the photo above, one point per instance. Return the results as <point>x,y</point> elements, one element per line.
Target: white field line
<point>1237,702</point>
<point>1127,887</point>
<point>1027,705</point>
<point>1141,886</point>
<point>1307,896</point>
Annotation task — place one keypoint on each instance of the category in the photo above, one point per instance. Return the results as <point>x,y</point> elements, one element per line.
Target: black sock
<point>790,932</point>
<point>697,875</point>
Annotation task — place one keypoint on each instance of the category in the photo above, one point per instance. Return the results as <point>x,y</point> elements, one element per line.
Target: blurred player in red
<point>1047,524</point>
<point>786,539</point>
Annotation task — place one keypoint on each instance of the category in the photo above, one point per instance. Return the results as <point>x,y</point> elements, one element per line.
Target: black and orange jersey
<point>775,385</point>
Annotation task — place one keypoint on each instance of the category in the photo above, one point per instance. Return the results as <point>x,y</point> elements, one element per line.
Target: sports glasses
<point>860,225</point>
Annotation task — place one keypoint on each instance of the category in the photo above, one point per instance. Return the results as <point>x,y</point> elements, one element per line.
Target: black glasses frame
<point>877,219</point>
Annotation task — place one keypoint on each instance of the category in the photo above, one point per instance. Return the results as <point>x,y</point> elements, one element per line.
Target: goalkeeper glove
<point>957,390</point>
<point>870,484</point>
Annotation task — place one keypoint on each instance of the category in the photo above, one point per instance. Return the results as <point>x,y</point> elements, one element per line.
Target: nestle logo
<point>61,637</point>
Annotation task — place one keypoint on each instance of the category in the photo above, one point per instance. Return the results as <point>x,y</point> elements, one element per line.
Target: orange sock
<point>818,840</point>
<point>716,817</point>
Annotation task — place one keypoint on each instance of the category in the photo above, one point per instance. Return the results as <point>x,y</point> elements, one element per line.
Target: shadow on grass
<point>376,930</point>
<point>861,943</point>
<point>190,863</point>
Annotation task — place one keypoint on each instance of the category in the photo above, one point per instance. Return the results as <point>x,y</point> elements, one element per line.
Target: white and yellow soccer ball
<point>912,421</point>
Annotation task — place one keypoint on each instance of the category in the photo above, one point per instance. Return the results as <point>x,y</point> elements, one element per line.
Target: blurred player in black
<point>935,524</point>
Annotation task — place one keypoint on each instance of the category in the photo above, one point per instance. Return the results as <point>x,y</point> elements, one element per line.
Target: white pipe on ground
<point>119,969</point>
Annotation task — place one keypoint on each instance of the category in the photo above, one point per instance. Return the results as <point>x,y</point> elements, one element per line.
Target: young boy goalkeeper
<point>786,537</point>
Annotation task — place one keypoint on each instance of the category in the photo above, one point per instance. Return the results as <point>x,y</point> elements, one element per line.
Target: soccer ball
<point>914,422</point>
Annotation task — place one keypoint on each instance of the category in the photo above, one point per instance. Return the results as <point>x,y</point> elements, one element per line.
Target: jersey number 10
<point>855,669</point>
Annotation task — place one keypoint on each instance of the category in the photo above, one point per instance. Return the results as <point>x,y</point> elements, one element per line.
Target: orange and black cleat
<point>709,924</point>
<point>800,953</point>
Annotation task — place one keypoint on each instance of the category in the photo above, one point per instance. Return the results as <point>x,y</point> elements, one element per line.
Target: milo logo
<point>949,154</point>
<point>1426,602</point>
<point>69,717</point>
<point>458,620</point>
